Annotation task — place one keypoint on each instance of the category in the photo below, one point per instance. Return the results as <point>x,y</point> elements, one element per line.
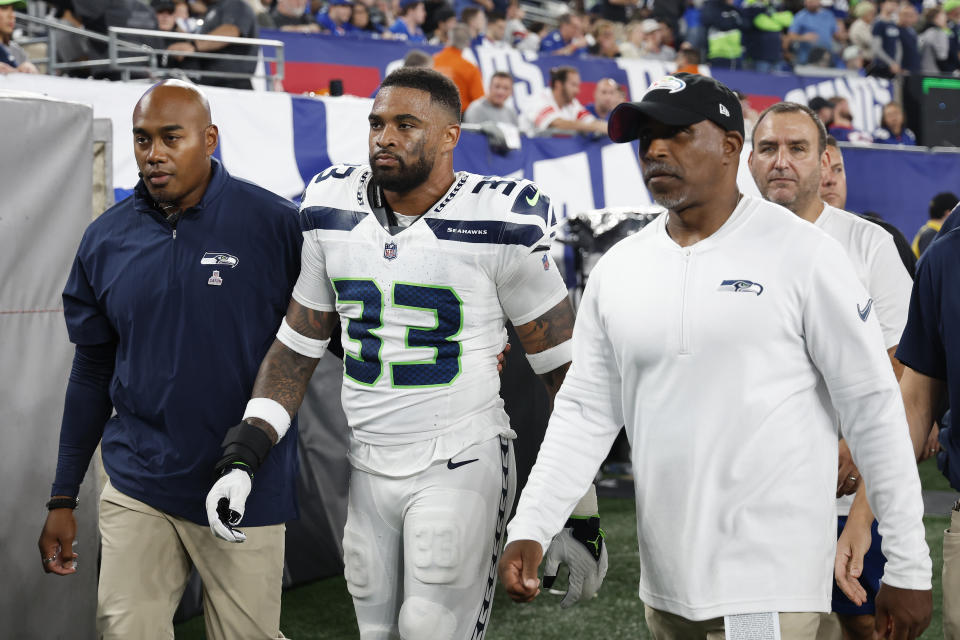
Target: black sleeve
<point>85,411</point>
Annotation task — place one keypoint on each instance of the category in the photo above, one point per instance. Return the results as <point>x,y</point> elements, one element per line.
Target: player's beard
<point>403,178</point>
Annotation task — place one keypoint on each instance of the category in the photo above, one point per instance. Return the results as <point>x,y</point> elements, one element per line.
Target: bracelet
<point>63,503</point>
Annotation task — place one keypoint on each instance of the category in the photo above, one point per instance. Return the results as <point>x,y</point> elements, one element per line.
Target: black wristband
<point>245,446</point>
<point>63,503</point>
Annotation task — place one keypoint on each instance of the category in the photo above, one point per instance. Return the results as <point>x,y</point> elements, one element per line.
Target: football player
<point>423,266</point>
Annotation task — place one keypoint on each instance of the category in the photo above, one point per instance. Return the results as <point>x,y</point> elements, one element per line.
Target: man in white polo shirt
<point>787,162</point>
<point>726,336</point>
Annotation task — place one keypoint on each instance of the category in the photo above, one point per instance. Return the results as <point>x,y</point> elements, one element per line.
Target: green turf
<point>931,478</point>
<point>323,611</point>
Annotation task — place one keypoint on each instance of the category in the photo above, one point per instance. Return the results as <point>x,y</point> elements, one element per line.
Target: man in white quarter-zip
<point>787,162</point>
<point>726,336</point>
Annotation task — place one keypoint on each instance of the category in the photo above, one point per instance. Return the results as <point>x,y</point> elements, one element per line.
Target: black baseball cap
<point>679,100</point>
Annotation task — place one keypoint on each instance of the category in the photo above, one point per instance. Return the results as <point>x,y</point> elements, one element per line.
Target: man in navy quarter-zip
<point>175,296</point>
<point>752,342</point>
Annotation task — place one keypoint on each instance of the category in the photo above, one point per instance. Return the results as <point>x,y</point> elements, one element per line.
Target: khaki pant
<point>146,562</point>
<point>951,579</point>
<point>669,626</point>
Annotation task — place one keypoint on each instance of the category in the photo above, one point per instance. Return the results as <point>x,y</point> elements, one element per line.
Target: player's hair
<point>831,141</point>
<point>493,16</point>
<point>795,107</point>
<point>564,18</point>
<point>501,74</point>
<point>441,89</point>
<point>560,74</point>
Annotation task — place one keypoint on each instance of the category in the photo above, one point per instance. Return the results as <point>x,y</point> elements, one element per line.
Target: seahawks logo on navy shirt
<point>220,259</point>
<point>741,286</point>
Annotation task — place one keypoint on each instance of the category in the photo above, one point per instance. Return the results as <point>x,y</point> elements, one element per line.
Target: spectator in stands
<point>517,34</point>
<point>952,9</point>
<point>557,107</point>
<point>446,18</point>
<point>723,22</point>
<point>891,129</point>
<point>668,13</point>
<point>336,19</point>
<point>476,21</point>
<point>887,50</point>
<point>823,108</point>
<point>934,41</point>
<point>940,208</point>
<point>13,59</point>
<point>841,127</point>
<point>645,39</point>
<point>605,40</point>
<point>606,95</point>
<point>494,107</point>
<point>164,10</point>
<point>291,15</point>
<point>853,60</point>
<point>496,29</point>
<point>812,32</point>
<point>614,10</point>
<point>418,58</point>
<point>408,25</point>
<point>234,19</point>
<point>567,39</point>
<point>763,27</point>
<point>362,21</point>
<point>907,20</point>
<point>861,31</point>
<point>688,59</point>
<point>451,63</point>
<point>459,6</point>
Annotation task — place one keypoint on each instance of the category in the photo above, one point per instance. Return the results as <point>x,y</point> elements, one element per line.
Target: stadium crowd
<point>884,38</point>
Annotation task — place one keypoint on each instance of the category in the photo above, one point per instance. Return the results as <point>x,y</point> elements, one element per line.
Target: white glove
<point>586,570</point>
<point>226,502</point>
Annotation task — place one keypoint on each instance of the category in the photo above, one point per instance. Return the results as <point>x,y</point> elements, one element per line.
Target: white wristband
<point>296,341</point>
<point>587,507</point>
<point>550,359</point>
<point>269,411</point>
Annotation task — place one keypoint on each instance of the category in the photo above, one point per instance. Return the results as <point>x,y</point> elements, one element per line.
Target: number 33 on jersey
<point>423,310</point>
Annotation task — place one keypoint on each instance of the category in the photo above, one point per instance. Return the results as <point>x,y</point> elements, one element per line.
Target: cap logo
<point>673,84</point>
<point>724,111</point>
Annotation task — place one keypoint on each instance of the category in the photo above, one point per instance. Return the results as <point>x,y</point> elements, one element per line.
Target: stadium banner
<point>280,141</point>
<point>313,60</point>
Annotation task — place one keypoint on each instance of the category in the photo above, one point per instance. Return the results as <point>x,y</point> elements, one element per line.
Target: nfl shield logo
<point>390,250</point>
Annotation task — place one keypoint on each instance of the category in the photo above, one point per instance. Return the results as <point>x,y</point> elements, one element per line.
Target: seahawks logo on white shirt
<point>741,286</point>
<point>220,259</point>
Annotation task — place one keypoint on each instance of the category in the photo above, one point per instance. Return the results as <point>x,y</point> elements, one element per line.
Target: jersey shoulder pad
<point>337,186</point>
<point>334,198</point>
<point>515,200</point>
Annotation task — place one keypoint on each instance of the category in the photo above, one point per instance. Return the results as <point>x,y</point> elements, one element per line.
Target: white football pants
<point>421,552</point>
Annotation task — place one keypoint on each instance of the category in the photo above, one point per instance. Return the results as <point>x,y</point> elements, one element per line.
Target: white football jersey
<point>423,310</point>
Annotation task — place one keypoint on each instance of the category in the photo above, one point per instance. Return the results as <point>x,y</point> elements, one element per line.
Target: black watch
<point>63,503</point>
